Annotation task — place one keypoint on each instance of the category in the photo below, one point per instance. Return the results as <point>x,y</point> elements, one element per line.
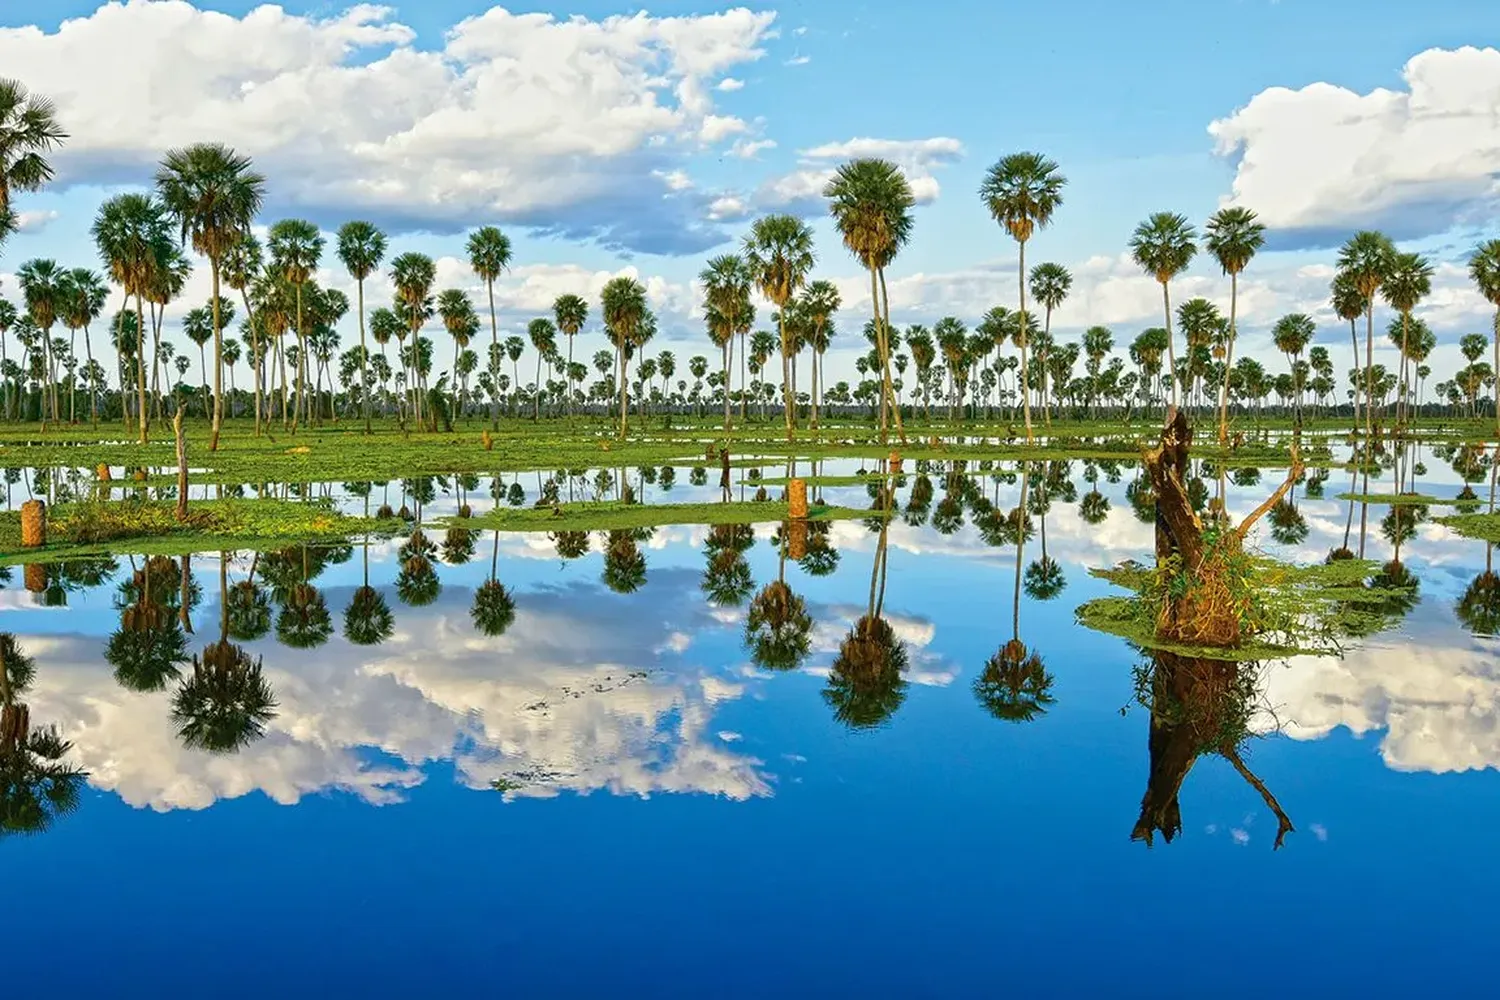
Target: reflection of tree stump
<point>895,463</point>
<point>33,524</point>
<point>724,468</point>
<point>797,540</point>
<point>797,498</point>
<point>36,577</point>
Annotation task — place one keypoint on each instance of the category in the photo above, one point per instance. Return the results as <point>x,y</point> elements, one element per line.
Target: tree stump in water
<point>102,473</point>
<point>797,499</point>
<point>33,524</point>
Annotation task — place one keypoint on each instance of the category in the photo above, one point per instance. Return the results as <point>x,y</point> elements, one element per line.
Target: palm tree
<point>8,319</point>
<point>1022,191</point>
<point>779,253</point>
<point>1484,269</point>
<point>625,317</point>
<point>462,323</point>
<point>1050,283</point>
<point>29,130</point>
<point>40,282</point>
<point>36,785</point>
<point>871,204</point>
<point>240,269</point>
<point>570,312</point>
<point>818,304</point>
<point>413,275</point>
<point>726,287</point>
<point>1291,334</point>
<point>1163,246</point>
<point>1349,303</point>
<point>1366,258</point>
<point>361,246</point>
<point>212,193</point>
<point>489,256</point>
<point>1407,283</point>
<point>1232,236</point>
<point>296,247</point>
<point>83,302</point>
<point>543,336</point>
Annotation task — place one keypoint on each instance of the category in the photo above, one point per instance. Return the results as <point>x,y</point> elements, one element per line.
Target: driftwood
<point>1197,702</point>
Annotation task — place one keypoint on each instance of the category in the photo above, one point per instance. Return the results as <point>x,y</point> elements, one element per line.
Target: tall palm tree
<point>29,130</point>
<point>413,275</point>
<point>623,302</point>
<point>543,336</point>
<point>779,253</point>
<point>296,247</point>
<point>1022,192</point>
<point>1484,269</point>
<point>1407,283</point>
<point>41,282</point>
<point>8,318</point>
<point>1366,258</point>
<point>214,195</point>
<point>570,312</point>
<point>240,269</point>
<point>462,323</point>
<point>82,303</point>
<point>1232,236</point>
<point>361,246</point>
<point>489,256</point>
<point>1050,283</point>
<point>726,287</point>
<point>1291,334</point>
<point>818,304</point>
<point>1349,303</point>
<point>1163,246</point>
<point>871,203</point>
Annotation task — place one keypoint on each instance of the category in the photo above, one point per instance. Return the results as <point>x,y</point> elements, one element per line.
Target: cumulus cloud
<point>1322,160</point>
<point>569,126</point>
<point>729,83</point>
<point>34,221</point>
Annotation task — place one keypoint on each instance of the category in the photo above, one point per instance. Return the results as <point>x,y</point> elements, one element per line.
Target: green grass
<point>1483,527</point>
<point>1399,499</point>
<point>151,528</point>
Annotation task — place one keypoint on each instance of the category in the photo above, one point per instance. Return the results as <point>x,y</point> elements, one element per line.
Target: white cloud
<point>749,149</point>
<point>558,124</point>
<point>34,221</point>
<point>728,208</point>
<point>799,61</point>
<point>1416,161</point>
<point>729,84</point>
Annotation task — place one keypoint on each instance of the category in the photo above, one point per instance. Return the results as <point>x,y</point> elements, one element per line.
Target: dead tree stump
<point>33,524</point>
<point>797,499</point>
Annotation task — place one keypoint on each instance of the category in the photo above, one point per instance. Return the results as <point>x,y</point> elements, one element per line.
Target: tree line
<point>207,197</point>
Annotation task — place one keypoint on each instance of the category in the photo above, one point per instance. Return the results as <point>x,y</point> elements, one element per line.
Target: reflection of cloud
<point>1435,694</point>
<point>832,624</point>
<point>572,697</point>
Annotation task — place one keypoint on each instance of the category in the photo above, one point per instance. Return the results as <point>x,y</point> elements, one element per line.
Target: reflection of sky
<point>707,829</point>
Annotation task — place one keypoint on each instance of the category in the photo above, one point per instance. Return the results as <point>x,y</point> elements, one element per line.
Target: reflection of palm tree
<point>1288,526</point>
<point>821,559</point>
<point>1094,507</point>
<point>36,784</point>
<point>494,609</point>
<point>368,620</point>
<point>1197,706</point>
<point>417,583</point>
<point>1014,685</point>
<point>304,622</point>
<point>571,544</point>
<point>225,704</point>
<point>458,546</point>
<point>624,565</point>
<point>148,647</point>
<point>778,629</point>
<point>867,683</point>
<point>726,579</point>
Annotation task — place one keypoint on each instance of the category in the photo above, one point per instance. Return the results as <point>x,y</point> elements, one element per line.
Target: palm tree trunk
<point>364,357</point>
<point>140,366</point>
<point>726,348</point>
<point>536,397</point>
<point>1369,368</point>
<point>1025,347</point>
<point>624,392</point>
<point>885,357</point>
<point>213,438</point>
<point>1166,301</point>
<point>569,379</point>
<point>1234,298</point>
<point>495,353</point>
<point>880,347</point>
<point>786,371</point>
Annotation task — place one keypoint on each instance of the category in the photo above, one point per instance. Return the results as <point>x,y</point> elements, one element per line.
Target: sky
<point>608,140</point>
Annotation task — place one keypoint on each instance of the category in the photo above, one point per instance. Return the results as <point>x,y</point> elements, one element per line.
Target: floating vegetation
<point>1401,499</point>
<point>1483,527</point>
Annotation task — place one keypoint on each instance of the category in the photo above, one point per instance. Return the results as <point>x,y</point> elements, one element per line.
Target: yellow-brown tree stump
<point>33,524</point>
<point>796,492</point>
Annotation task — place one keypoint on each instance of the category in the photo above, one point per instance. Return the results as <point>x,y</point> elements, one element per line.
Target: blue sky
<point>560,155</point>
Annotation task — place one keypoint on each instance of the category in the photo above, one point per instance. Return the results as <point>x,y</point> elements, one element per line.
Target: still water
<point>637,764</point>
